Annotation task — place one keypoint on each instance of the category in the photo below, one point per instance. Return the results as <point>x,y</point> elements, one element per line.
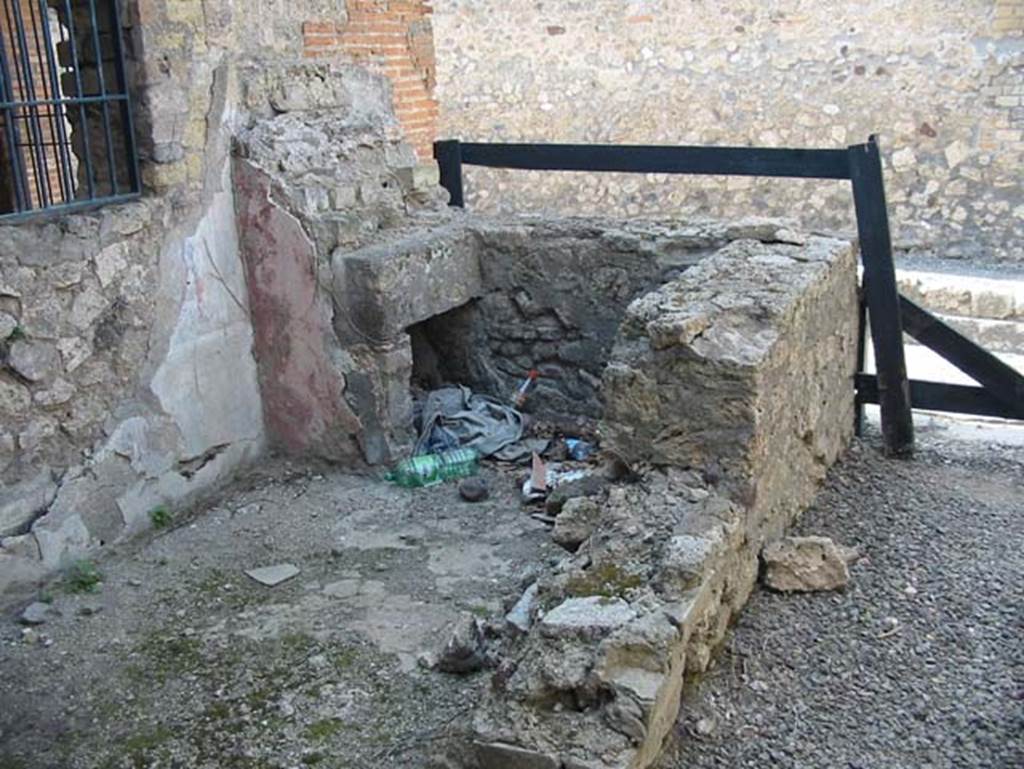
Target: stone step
<point>971,296</point>
<point>925,365</point>
<point>996,336</point>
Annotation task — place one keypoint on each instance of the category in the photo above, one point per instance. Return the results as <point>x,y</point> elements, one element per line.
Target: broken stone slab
<point>805,564</point>
<point>465,650</point>
<point>432,271</point>
<point>520,616</point>
<point>272,576</point>
<point>591,617</point>
<point>22,503</point>
<point>34,614</point>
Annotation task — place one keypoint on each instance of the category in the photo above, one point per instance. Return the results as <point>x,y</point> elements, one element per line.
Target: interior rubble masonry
<point>292,267</point>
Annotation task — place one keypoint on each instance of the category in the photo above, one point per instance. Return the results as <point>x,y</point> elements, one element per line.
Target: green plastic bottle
<point>430,469</point>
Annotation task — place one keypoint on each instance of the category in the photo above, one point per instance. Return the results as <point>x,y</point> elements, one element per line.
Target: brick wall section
<point>395,37</point>
<point>1009,18</point>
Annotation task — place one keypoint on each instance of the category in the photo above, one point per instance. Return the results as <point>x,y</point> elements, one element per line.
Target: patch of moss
<point>297,643</point>
<point>608,580</point>
<point>8,761</point>
<point>346,658</point>
<point>326,728</point>
<point>167,656</point>
<point>143,741</point>
<point>160,517</point>
<point>82,577</point>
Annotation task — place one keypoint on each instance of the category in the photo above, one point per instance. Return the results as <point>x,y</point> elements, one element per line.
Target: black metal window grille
<point>66,134</point>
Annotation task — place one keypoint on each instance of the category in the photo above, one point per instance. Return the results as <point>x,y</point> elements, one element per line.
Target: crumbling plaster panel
<point>148,313</point>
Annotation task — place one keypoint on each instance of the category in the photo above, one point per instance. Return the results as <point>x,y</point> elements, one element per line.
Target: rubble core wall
<point>941,82</point>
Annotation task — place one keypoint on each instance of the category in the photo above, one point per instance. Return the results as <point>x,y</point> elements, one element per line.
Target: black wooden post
<point>448,155</point>
<point>882,297</point>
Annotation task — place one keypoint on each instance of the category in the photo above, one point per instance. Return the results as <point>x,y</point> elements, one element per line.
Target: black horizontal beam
<point>8,105</point>
<point>938,396</point>
<point>1004,382</point>
<point>77,206</point>
<point>627,158</point>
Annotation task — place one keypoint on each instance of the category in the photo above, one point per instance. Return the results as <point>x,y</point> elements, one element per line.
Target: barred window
<point>66,135</point>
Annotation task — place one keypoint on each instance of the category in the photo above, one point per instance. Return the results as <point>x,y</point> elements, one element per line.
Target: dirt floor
<point>178,659</point>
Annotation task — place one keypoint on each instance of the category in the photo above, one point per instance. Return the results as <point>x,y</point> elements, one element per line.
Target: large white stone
<point>805,564</point>
<point>591,617</point>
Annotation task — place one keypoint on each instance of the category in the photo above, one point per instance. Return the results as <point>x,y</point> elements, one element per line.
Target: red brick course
<point>396,38</point>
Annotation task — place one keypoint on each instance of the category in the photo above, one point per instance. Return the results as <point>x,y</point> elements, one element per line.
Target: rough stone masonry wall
<point>729,391</point>
<point>324,170</point>
<point>942,81</point>
<point>460,299</point>
<point>127,377</point>
<point>742,369</point>
<point>553,294</point>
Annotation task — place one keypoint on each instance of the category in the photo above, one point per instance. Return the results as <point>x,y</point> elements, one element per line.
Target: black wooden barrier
<point>862,165</point>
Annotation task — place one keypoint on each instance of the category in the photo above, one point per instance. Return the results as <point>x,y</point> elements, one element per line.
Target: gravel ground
<point>919,663</point>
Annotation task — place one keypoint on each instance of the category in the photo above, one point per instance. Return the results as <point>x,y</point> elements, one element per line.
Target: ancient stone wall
<point>729,389</point>
<point>324,170</point>
<point>127,376</point>
<point>941,82</point>
<point>553,293</point>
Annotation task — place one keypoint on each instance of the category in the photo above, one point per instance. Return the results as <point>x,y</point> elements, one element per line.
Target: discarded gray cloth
<point>456,416</point>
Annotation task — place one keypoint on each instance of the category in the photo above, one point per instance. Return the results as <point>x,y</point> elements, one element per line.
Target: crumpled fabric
<point>453,417</point>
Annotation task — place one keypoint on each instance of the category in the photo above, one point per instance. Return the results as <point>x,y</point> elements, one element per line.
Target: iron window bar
<point>67,137</point>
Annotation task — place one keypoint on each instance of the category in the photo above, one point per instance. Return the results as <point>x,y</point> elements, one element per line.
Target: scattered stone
<point>520,617</point>
<point>474,489</point>
<point>465,650</point>
<point>34,614</point>
<point>804,564</point>
<point>427,661</point>
<point>274,575</point>
<point>591,617</point>
<point>285,708</point>
<point>89,610</point>
<point>705,727</point>
<point>575,523</point>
